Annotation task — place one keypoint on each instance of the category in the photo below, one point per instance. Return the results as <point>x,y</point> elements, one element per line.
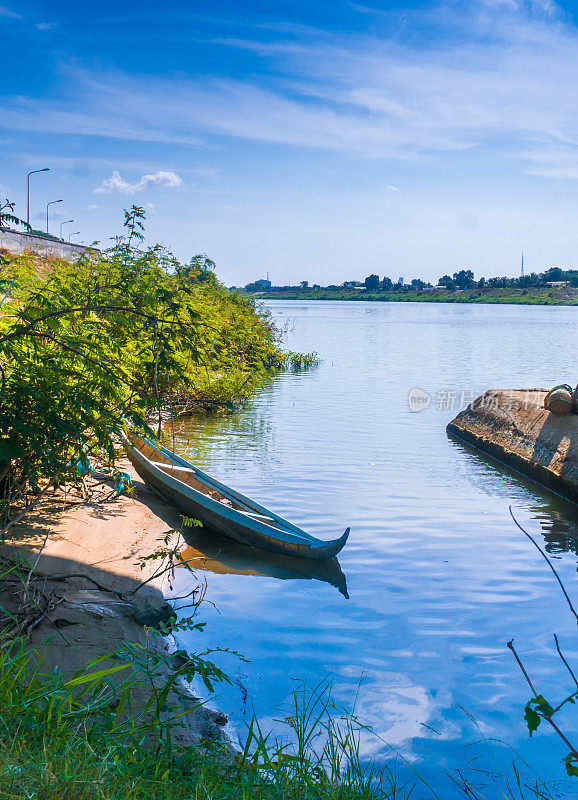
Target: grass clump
<point>86,737</point>
<point>297,362</point>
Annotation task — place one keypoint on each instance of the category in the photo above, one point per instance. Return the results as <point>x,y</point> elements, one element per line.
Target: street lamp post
<point>73,234</point>
<point>47,205</point>
<point>64,223</point>
<point>46,169</point>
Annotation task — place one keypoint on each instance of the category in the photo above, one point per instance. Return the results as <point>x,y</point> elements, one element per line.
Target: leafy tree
<point>498,283</point>
<point>445,280</point>
<point>372,283</point>
<point>554,274</point>
<point>417,283</point>
<point>529,280</point>
<point>304,284</point>
<point>464,279</point>
<point>87,347</point>
<point>7,216</point>
<point>200,269</point>
<point>386,285</point>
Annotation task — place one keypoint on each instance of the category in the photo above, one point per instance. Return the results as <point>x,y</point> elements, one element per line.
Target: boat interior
<point>190,477</point>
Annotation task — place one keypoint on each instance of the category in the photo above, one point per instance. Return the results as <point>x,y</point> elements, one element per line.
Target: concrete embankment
<point>19,242</point>
<point>513,427</point>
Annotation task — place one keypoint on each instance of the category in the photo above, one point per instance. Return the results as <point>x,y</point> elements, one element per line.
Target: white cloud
<point>54,215</point>
<point>520,6</point>
<point>6,13</point>
<point>392,188</point>
<point>91,207</point>
<point>160,179</point>
<point>503,74</point>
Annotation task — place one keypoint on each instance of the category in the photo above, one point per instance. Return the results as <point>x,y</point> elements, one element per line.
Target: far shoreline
<point>563,296</point>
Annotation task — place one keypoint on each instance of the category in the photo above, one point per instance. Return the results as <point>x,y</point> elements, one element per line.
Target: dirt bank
<point>513,427</point>
<point>86,557</point>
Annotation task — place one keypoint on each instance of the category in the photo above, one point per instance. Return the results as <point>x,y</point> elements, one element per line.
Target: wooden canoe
<point>221,508</point>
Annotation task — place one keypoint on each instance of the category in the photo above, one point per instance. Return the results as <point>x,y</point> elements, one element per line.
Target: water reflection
<point>557,517</point>
<point>211,552</point>
<point>201,434</point>
<point>440,577</point>
<point>560,534</point>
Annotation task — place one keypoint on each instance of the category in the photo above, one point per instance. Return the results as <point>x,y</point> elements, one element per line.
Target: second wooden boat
<point>221,508</point>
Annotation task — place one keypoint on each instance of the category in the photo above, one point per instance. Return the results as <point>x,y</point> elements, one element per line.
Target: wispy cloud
<point>7,13</point>
<point>160,179</point>
<point>505,77</point>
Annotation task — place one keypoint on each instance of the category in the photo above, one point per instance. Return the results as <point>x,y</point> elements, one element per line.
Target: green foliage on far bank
<point>544,296</point>
<point>86,346</point>
<point>462,283</point>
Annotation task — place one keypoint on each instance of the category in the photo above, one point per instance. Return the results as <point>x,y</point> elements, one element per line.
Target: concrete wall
<point>17,242</point>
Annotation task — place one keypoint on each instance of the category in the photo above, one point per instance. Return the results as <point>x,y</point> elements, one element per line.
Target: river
<point>411,628</point>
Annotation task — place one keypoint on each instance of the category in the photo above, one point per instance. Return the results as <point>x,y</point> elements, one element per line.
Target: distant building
<point>557,283</point>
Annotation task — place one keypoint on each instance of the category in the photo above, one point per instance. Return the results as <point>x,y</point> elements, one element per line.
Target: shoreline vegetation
<point>536,296</point>
<point>95,699</point>
<point>95,702</point>
<point>555,286</point>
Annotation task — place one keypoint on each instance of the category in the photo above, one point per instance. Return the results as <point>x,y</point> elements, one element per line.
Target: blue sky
<point>315,140</point>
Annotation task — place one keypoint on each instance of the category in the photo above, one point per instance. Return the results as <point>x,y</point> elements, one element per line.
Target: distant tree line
<point>462,279</point>
<point>465,279</point>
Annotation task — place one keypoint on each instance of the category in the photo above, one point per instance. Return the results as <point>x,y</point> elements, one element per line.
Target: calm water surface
<point>437,576</point>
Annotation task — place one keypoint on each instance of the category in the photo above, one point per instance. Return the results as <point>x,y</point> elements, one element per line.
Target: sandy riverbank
<point>88,559</point>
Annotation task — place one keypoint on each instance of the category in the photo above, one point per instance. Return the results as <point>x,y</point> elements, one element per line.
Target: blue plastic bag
<point>84,467</point>
<point>122,481</point>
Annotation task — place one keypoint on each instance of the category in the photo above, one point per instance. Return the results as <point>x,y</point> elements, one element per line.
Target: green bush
<point>88,346</point>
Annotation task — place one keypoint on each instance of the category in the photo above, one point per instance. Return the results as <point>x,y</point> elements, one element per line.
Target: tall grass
<point>86,738</point>
<point>322,758</point>
<point>297,362</point>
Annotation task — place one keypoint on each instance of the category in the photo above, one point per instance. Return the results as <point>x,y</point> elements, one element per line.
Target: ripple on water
<point>439,578</point>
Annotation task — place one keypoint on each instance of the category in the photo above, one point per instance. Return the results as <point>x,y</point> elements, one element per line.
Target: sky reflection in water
<point>438,577</point>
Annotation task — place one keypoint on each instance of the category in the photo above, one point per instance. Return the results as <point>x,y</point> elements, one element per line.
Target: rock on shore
<point>513,427</point>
